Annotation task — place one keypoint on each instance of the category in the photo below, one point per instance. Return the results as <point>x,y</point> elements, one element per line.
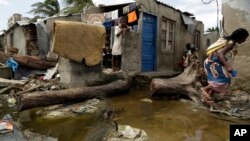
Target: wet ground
<point>161,119</point>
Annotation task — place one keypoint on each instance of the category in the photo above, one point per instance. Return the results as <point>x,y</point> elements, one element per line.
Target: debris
<point>88,107</point>
<point>5,72</point>
<point>24,72</point>
<point>37,137</point>
<point>52,57</point>
<point>30,89</point>
<point>126,132</point>
<point>6,125</point>
<point>54,87</point>
<point>11,100</point>
<point>5,89</point>
<point>12,50</point>
<point>3,57</point>
<point>7,82</point>
<point>61,111</point>
<point>50,72</point>
<point>147,100</point>
<point>11,63</point>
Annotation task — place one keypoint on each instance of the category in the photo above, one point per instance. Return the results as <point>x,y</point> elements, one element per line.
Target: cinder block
<point>52,56</point>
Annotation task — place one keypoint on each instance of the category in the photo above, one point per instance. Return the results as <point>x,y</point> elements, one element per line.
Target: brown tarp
<point>77,41</point>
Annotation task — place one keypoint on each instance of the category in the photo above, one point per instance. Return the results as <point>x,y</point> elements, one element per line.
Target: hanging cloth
<point>132,17</point>
<point>220,43</point>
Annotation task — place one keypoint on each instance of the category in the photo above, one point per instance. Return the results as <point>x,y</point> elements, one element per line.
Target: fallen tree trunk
<point>46,98</point>
<point>180,85</point>
<point>34,62</point>
<point>28,61</point>
<point>8,82</point>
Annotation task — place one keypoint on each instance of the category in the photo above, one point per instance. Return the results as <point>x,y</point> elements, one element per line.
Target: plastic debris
<point>147,100</point>
<point>6,125</point>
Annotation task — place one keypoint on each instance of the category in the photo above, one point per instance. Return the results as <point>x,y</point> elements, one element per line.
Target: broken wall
<point>31,40</point>
<point>16,38</point>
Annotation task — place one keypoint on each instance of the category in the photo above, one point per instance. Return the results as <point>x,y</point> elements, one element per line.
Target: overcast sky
<point>205,13</point>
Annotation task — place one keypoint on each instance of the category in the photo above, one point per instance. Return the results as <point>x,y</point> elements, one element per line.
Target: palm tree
<point>46,8</point>
<point>212,29</point>
<point>76,6</point>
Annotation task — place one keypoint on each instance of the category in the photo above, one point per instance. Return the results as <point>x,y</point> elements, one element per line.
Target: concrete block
<point>75,74</point>
<point>52,56</point>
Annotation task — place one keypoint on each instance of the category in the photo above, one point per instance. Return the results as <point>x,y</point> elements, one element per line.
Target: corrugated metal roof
<point>162,3</point>
<point>108,8</point>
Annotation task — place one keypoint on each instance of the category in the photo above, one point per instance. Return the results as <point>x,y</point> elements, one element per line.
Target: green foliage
<point>75,6</point>
<point>212,29</point>
<point>47,8</point>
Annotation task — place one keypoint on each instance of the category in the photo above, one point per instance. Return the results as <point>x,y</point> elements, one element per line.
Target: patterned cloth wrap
<point>217,75</point>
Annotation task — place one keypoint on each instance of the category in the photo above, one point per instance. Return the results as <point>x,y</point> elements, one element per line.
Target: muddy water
<point>163,120</point>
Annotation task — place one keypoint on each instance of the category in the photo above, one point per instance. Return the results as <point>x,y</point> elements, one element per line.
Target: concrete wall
<point>19,40</point>
<point>167,60</point>
<point>73,75</point>
<point>131,53</point>
<point>212,37</point>
<point>236,14</point>
<point>43,40</point>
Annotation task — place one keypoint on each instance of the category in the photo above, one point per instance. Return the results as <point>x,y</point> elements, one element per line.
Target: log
<point>28,61</point>
<point>46,98</point>
<point>7,82</point>
<point>180,85</point>
<point>34,62</point>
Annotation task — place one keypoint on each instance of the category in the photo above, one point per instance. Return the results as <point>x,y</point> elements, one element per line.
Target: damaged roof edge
<point>185,13</point>
<point>20,23</point>
<point>107,8</point>
<point>62,16</point>
<point>164,4</point>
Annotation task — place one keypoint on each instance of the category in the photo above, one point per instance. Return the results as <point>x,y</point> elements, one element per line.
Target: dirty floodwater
<point>161,119</point>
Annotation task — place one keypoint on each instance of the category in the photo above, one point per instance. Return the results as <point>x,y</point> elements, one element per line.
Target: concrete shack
<point>22,35</point>
<point>172,30</point>
<point>158,40</point>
